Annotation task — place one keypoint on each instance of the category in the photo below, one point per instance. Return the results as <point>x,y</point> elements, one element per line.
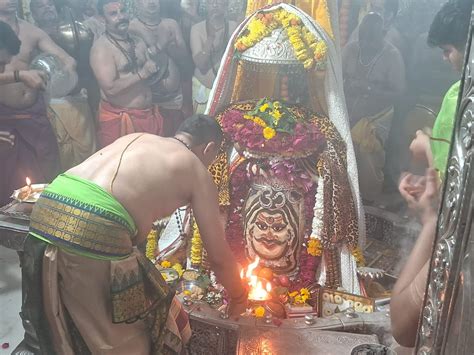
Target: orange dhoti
<point>115,122</point>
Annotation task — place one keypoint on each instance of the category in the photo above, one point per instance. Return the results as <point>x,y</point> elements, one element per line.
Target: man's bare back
<point>109,64</point>
<point>155,176</point>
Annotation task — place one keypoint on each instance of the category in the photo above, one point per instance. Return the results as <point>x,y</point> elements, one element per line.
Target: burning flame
<point>28,181</point>
<point>257,290</point>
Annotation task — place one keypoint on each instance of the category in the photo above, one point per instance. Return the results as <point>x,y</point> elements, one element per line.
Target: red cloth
<point>115,122</point>
<point>35,153</point>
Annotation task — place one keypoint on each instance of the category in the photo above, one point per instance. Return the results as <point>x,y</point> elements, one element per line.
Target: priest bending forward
<point>100,294</point>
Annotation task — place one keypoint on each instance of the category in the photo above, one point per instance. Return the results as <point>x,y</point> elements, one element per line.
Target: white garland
<point>318,224</point>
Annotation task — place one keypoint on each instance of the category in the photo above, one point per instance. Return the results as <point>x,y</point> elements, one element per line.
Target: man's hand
<point>421,194</point>
<point>236,309</point>
<point>421,149</point>
<point>148,69</point>
<point>7,140</point>
<point>34,79</point>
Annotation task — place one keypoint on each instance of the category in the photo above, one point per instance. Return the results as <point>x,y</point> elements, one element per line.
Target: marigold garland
<point>358,255</point>
<point>151,245</point>
<point>259,312</point>
<point>308,49</point>
<point>165,264</point>
<point>196,247</point>
<point>314,247</point>
<point>300,297</point>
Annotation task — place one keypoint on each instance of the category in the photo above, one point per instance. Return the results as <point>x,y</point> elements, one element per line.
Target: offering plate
<point>29,194</point>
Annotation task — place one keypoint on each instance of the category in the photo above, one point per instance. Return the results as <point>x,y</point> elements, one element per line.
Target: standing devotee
<point>388,9</point>
<point>71,116</point>
<point>374,78</point>
<point>189,17</point>
<point>34,79</point>
<point>122,66</point>
<point>449,32</point>
<point>164,36</point>
<point>10,47</point>
<point>186,14</point>
<point>95,22</point>
<point>23,111</point>
<point>209,40</point>
<point>119,192</point>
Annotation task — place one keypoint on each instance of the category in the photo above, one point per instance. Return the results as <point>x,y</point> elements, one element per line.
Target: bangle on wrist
<point>16,76</point>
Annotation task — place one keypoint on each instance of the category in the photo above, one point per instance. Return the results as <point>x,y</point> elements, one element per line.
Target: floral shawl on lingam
<point>294,152</point>
<point>287,162</point>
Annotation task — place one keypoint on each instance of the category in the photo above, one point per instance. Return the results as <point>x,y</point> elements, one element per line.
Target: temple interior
<point>328,112</point>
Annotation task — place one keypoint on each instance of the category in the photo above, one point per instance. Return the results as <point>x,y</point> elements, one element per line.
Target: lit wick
<point>257,291</point>
<point>29,189</point>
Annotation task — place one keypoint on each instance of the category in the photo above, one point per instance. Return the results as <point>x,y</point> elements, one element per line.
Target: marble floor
<point>11,330</point>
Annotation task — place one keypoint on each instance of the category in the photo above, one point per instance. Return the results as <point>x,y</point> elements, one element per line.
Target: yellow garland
<point>269,133</point>
<point>358,256</point>
<point>165,264</point>
<point>196,247</point>
<point>308,49</point>
<point>300,297</point>
<point>314,247</point>
<point>151,244</point>
<point>179,269</point>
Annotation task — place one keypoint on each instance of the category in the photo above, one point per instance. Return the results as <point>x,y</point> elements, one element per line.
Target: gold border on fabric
<point>65,225</point>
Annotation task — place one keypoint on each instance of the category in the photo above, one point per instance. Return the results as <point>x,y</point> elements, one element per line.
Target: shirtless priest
<point>122,66</point>
<point>92,218</point>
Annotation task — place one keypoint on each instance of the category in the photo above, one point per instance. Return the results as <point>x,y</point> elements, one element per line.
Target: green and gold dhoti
<point>94,276</point>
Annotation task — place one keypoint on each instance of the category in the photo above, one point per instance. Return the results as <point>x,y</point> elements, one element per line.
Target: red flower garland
<point>306,137</point>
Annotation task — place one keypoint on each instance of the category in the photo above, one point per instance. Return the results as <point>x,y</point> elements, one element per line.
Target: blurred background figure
<point>71,117</point>
<point>163,36</point>
<point>448,32</point>
<point>23,110</point>
<point>209,40</point>
<point>374,78</point>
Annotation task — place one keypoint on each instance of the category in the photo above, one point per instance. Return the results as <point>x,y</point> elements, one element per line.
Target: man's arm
<point>178,47</point>
<point>201,53</point>
<point>205,206</point>
<point>408,293</point>
<point>47,45</point>
<point>105,70</point>
<point>34,79</point>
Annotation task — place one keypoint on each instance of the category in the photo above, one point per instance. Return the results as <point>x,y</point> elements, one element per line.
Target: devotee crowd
<point>149,67</point>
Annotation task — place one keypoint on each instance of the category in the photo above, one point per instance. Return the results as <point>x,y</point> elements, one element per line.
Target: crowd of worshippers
<point>152,66</point>
<point>145,72</point>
